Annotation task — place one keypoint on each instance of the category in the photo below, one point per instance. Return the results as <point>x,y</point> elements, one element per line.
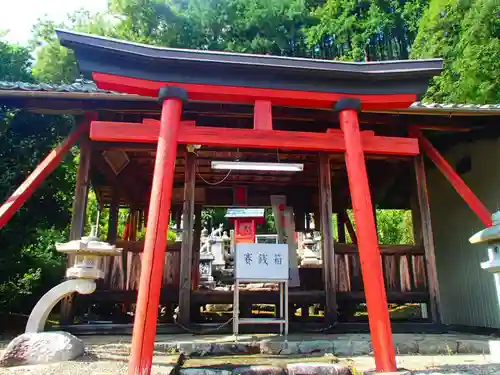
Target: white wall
<point>468,293</point>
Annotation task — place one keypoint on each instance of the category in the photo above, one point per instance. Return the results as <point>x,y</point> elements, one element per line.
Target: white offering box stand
<point>262,263</point>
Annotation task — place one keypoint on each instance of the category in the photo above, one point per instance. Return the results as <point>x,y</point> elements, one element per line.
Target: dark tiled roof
<point>457,107</point>
<point>83,86</point>
<point>80,85</point>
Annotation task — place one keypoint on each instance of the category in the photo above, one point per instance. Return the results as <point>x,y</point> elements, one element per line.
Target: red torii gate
<point>142,70</point>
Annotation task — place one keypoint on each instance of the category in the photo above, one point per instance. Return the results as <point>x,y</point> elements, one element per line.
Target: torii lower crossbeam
<point>332,141</point>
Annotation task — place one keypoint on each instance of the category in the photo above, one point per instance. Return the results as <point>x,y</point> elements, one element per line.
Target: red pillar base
<point>369,253</point>
<point>148,298</point>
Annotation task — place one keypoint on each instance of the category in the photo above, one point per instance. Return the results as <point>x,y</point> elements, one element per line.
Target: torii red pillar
<point>369,253</point>
<point>148,298</point>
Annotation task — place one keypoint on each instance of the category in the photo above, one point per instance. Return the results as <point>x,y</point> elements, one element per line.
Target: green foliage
<point>466,33</point>
<point>359,30</point>
<point>395,227</point>
<point>29,264</point>
<point>15,63</point>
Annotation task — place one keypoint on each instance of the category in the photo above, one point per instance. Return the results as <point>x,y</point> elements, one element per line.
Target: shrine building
<point>165,133</point>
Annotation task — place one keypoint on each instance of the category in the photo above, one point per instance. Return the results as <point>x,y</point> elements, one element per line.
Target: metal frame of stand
<point>283,304</point>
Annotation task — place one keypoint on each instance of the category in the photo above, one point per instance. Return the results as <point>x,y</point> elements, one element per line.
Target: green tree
<point>466,34</point>
<point>29,263</point>
<point>364,30</point>
<point>15,63</point>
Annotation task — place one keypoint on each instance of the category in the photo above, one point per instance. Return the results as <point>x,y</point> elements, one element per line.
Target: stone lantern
<point>491,238</point>
<point>206,260</point>
<point>310,256</point>
<point>87,255</point>
<point>226,250</point>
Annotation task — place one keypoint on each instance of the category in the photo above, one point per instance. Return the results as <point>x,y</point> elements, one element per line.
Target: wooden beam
<point>81,191</point>
<point>263,115</point>
<point>425,224</point>
<point>456,181</point>
<point>350,227</point>
<point>148,131</point>
<point>187,240</point>
<point>325,207</point>
<point>237,94</point>
<point>41,172</point>
<point>342,248</point>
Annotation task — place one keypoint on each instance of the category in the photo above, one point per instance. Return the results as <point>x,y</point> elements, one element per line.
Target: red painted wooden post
<point>263,115</point>
<point>41,172</point>
<point>148,298</point>
<point>455,180</point>
<point>369,253</point>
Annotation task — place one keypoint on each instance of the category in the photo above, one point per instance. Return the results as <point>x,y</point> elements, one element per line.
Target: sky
<point>18,16</point>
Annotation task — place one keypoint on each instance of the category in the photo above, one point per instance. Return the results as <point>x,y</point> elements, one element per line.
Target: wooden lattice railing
<point>403,265</point>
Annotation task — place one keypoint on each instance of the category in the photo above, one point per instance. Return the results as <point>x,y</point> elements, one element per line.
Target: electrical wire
<point>214,183</point>
<point>320,330</point>
<point>203,331</point>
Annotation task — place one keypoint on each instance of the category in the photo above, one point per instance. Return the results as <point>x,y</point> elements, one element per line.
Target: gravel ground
<point>100,363</point>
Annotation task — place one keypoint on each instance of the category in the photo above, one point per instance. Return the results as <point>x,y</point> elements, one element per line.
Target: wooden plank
<point>425,224</point>
<point>263,115</point>
<point>325,207</point>
<point>341,248</point>
<point>187,239</point>
<point>455,180</point>
<point>105,131</point>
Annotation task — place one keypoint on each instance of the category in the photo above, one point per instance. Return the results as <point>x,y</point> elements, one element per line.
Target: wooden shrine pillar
<point>326,225</point>
<point>341,227</point>
<point>81,191</point>
<point>113,217</point>
<point>369,253</point>
<point>422,224</point>
<point>187,239</point>
<point>195,272</point>
<point>148,298</point>
<point>78,217</point>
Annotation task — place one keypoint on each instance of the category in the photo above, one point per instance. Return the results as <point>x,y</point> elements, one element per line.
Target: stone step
<point>337,347</point>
